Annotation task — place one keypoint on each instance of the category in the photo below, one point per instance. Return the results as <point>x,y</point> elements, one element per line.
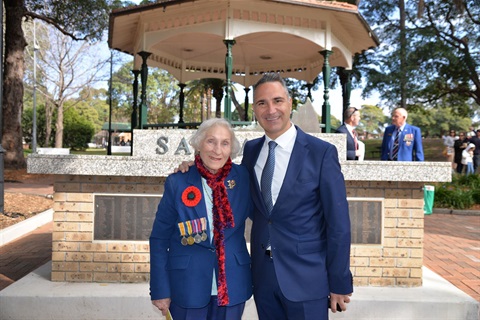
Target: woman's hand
<point>162,305</point>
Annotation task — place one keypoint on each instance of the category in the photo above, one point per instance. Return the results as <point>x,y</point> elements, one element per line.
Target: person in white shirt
<point>351,120</point>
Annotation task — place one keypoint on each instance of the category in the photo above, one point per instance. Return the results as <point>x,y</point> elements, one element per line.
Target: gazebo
<point>240,40</point>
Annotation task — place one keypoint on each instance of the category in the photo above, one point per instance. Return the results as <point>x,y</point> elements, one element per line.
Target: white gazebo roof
<point>186,37</point>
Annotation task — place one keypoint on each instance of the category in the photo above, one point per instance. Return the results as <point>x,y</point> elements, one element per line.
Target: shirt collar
<point>285,140</point>
<point>349,127</point>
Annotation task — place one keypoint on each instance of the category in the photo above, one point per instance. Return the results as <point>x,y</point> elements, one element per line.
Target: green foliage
<point>441,56</point>
<point>27,126</point>
<point>462,193</point>
<point>432,149</point>
<point>162,95</point>
<point>78,131</point>
<point>372,120</point>
<point>81,19</point>
<point>435,122</point>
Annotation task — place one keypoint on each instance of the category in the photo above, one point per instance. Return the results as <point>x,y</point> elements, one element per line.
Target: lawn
<point>432,149</point>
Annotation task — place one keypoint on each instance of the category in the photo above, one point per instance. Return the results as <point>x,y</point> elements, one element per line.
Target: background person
<point>458,147</point>
<point>449,142</point>
<point>300,239</point>
<point>467,159</point>
<point>199,263</point>
<point>476,153</point>
<point>401,141</point>
<point>352,119</point>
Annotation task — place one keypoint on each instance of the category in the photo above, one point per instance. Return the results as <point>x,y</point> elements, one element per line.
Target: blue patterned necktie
<point>396,145</point>
<point>267,176</point>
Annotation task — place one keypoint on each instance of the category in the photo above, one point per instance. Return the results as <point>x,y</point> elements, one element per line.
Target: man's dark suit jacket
<point>309,226</point>
<point>350,143</point>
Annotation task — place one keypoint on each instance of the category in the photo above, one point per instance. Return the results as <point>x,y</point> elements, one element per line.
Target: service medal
<point>197,238</point>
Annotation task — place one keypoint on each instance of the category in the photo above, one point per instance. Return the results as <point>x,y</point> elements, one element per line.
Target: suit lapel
<point>256,147</point>
<point>299,154</point>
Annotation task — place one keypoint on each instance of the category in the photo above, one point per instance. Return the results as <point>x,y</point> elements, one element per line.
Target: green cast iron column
<point>143,96</point>
<point>134,119</point>
<point>326,82</point>
<point>247,103</point>
<point>182,101</point>
<point>346,82</point>
<point>228,86</point>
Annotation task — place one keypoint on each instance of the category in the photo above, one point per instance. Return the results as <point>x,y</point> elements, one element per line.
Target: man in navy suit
<point>401,141</point>
<point>301,248</point>
<point>351,118</point>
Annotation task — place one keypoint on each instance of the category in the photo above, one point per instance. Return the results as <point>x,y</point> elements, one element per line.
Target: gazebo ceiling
<point>186,37</point>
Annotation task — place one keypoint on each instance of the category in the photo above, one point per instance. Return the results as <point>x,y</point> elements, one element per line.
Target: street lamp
<point>34,120</point>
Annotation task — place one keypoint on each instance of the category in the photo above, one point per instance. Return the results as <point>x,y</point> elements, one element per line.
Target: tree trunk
<point>239,108</point>
<point>218,95</point>
<point>209,103</point>
<point>48,122</point>
<point>14,65</point>
<point>59,127</point>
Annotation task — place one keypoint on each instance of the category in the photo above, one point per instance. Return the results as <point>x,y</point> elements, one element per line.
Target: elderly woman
<point>199,263</point>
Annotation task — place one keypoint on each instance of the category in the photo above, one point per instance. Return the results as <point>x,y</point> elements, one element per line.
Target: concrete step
<point>36,297</point>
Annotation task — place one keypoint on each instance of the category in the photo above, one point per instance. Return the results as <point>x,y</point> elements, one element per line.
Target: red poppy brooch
<point>191,196</point>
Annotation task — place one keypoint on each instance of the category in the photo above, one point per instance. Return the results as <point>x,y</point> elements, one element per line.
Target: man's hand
<point>341,299</point>
<point>184,166</point>
<point>162,305</point>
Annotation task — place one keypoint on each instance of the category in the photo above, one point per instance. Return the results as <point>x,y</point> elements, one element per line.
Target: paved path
<point>452,250</point>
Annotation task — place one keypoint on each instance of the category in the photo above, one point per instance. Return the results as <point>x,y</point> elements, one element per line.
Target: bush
<point>462,193</point>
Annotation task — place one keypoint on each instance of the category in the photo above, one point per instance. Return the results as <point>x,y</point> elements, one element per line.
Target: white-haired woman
<point>199,263</point>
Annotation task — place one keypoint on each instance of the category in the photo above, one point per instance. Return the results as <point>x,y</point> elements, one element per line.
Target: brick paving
<point>23,255</point>
<point>452,250</point>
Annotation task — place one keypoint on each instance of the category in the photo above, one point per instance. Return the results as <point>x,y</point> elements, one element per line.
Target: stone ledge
<point>436,299</point>
<point>162,166</point>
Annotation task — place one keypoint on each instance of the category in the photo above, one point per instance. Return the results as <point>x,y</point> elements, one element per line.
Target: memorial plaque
<point>366,221</point>
<point>124,217</point>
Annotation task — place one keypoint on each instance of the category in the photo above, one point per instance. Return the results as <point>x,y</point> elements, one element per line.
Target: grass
<point>432,149</point>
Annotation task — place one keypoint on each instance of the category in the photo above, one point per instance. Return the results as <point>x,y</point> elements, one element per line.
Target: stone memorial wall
<point>104,208</point>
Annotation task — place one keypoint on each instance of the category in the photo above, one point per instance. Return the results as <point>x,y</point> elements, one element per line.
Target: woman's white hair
<point>197,139</point>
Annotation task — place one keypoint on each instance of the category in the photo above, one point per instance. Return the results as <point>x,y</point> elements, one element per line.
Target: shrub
<point>462,193</point>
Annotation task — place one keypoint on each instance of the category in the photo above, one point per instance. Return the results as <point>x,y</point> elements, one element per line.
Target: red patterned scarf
<point>222,218</point>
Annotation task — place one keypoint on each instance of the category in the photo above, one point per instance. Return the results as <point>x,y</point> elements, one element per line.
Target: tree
<point>439,57</point>
<point>162,96</point>
<point>436,122</point>
<point>79,131</point>
<point>68,68</point>
<point>373,120</point>
<point>79,19</point>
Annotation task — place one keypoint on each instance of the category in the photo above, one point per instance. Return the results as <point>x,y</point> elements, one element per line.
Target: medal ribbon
<point>189,226</point>
<point>196,227</point>
<point>181,226</point>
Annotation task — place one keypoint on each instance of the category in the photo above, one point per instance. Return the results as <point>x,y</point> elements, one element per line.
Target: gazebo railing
<point>189,125</point>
